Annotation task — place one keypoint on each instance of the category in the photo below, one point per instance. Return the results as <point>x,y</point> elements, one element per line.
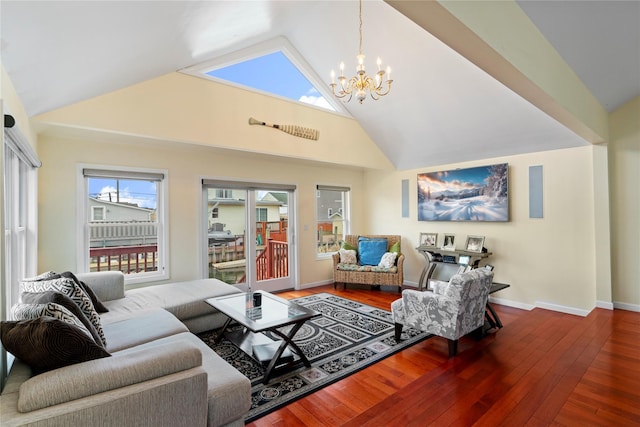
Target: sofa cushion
<point>33,311</point>
<point>388,260</point>
<point>68,287</point>
<point>147,325</point>
<point>185,300</point>
<point>107,285</point>
<point>46,343</point>
<point>370,250</point>
<point>120,370</point>
<point>97,304</point>
<point>47,275</point>
<point>228,390</point>
<point>366,268</point>
<point>64,301</point>
<point>348,256</point>
<point>395,248</point>
<point>348,247</point>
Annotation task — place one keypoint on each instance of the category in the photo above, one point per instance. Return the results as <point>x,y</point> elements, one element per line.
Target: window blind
<point>106,173</point>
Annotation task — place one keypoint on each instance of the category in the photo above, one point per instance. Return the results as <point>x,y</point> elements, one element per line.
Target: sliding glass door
<point>248,239</point>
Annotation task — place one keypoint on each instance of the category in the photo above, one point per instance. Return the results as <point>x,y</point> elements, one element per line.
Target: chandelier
<point>361,83</point>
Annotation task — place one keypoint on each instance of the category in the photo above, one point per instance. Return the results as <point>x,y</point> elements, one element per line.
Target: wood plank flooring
<point>542,369</point>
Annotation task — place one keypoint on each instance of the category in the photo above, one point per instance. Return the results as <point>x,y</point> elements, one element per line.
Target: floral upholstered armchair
<point>451,310</point>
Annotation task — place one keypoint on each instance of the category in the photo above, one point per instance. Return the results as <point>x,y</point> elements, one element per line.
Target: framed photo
<point>429,240</point>
<point>474,243</point>
<point>449,242</point>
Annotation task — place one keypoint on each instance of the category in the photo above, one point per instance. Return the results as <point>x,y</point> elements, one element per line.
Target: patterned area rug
<point>348,337</point>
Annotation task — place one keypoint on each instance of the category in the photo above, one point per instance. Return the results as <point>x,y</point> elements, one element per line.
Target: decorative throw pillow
<point>56,311</point>
<point>64,301</point>
<point>67,287</point>
<point>46,343</point>
<point>44,276</point>
<point>348,247</point>
<point>395,248</point>
<point>388,260</point>
<point>348,256</point>
<point>97,304</point>
<point>371,250</point>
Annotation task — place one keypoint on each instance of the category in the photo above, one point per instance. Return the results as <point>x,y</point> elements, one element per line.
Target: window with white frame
<point>224,194</point>
<point>261,215</point>
<point>19,215</point>
<point>124,222</point>
<point>97,213</point>
<point>332,217</point>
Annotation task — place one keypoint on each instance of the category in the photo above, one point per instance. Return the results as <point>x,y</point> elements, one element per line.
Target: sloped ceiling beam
<point>498,37</point>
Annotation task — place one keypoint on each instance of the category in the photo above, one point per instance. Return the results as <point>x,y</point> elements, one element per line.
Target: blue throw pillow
<point>370,250</point>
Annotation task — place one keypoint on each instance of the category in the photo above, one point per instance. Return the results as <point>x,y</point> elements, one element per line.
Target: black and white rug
<point>348,337</point>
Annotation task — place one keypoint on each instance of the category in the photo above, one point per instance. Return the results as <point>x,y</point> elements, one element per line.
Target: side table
<point>490,314</point>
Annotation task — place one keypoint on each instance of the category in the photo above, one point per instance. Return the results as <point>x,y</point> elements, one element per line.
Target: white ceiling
<point>442,108</point>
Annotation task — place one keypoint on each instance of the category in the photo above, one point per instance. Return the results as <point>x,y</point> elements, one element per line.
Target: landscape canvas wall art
<point>471,194</point>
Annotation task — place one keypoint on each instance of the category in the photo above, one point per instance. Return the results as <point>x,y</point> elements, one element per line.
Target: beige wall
<point>11,104</point>
<point>187,165</point>
<point>183,108</point>
<point>549,262</point>
<point>624,180</point>
<point>559,261</point>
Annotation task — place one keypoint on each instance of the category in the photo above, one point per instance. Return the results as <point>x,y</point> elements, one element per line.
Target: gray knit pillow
<point>69,288</point>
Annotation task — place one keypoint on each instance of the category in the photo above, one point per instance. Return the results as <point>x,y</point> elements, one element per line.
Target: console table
<point>442,263</point>
<point>492,317</point>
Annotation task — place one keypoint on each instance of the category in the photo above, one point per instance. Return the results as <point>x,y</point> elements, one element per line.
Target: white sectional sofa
<point>159,372</point>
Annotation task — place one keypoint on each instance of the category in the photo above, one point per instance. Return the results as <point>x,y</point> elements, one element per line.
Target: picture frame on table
<point>474,244</point>
<point>449,243</point>
<point>429,240</point>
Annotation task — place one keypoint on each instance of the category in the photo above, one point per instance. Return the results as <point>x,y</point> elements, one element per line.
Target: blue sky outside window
<point>273,73</point>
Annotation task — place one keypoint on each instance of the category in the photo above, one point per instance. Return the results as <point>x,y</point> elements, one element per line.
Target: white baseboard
<point>626,306</point>
<point>604,304</point>
<point>510,303</point>
<point>315,284</point>
<point>562,308</point>
<point>515,304</point>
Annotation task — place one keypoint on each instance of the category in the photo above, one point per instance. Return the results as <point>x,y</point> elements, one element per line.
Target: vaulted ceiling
<point>444,107</point>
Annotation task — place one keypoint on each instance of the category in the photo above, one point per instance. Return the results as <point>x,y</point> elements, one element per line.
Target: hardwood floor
<point>542,369</point>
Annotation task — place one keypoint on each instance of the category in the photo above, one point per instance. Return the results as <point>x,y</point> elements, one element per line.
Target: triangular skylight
<point>273,73</point>
<point>273,67</point>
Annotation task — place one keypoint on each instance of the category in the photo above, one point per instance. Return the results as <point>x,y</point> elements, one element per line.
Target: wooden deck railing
<point>128,259</point>
<point>273,262</point>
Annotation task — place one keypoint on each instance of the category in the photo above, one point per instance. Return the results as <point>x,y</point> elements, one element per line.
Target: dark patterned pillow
<point>66,302</point>
<point>67,286</point>
<point>97,304</point>
<point>46,343</point>
<point>58,312</point>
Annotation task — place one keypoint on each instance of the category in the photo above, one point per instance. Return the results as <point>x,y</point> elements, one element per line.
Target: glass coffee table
<point>264,312</point>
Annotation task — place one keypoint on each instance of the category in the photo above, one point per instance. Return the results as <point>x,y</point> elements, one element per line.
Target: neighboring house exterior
<point>120,224</point>
<point>226,210</point>
<point>103,210</point>
<point>282,199</point>
<point>330,220</point>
